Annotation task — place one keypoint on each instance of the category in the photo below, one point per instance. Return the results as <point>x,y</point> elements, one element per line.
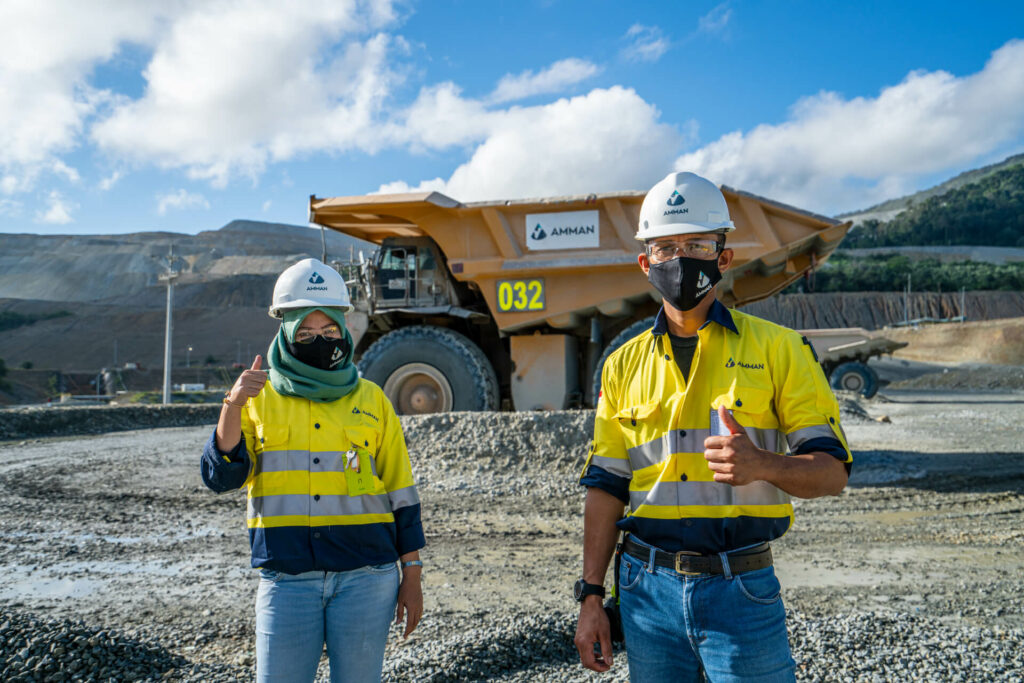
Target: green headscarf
<point>291,377</point>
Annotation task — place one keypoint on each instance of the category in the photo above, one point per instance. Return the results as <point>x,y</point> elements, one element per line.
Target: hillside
<point>125,268</point>
<point>71,302</point>
<point>890,208</point>
<point>987,212</point>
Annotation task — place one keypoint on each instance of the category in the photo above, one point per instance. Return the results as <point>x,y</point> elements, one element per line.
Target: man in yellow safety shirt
<point>693,425</point>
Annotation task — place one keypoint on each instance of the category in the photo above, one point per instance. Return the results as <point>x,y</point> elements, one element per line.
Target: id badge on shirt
<point>358,473</point>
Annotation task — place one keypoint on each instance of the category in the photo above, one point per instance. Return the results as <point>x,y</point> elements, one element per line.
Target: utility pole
<point>906,302</point>
<point>169,277</point>
<point>963,308</point>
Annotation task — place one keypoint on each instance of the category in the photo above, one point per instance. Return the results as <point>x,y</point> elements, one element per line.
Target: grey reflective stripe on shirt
<point>403,497</point>
<point>617,466</point>
<point>692,441</point>
<point>304,505</point>
<point>673,441</point>
<point>286,461</point>
<point>807,433</point>
<point>673,493</point>
<point>768,439</point>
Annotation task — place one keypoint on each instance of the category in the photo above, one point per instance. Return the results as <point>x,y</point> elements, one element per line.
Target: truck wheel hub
<point>417,389</point>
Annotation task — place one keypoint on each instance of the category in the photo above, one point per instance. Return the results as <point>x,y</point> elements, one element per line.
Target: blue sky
<point>186,114</point>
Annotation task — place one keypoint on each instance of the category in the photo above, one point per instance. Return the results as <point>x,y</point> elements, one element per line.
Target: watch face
<point>577,590</point>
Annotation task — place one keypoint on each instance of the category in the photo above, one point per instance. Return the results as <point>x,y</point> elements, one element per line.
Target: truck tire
<point>855,376</point>
<point>617,341</point>
<point>424,369</point>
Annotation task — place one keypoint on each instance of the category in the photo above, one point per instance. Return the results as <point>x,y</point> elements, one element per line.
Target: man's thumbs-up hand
<point>249,383</point>
<point>734,458</point>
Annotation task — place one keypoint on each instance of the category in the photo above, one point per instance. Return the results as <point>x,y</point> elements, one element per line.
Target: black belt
<point>691,564</point>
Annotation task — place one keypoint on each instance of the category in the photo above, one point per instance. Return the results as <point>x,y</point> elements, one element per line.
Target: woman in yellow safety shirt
<point>332,505</point>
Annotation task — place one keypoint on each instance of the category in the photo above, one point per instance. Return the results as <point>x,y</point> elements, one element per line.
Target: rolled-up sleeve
<point>607,466</point>
<point>807,408</point>
<point>225,471</point>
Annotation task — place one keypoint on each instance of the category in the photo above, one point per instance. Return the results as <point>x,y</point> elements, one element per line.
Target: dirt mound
<point>988,341</point>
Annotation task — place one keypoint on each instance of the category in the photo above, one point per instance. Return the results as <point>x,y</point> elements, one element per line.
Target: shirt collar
<point>718,313</point>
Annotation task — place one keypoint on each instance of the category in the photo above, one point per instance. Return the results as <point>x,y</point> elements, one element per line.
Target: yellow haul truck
<point>515,304</point>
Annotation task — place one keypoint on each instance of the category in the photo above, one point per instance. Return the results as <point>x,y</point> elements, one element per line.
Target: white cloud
<point>60,168</point>
<point>553,79</point>
<point>834,153</point>
<point>181,199</point>
<point>58,210</point>
<point>609,139</point>
<point>45,97</point>
<point>266,206</point>
<point>111,180</point>
<point>235,85</point>
<point>716,20</point>
<point>647,44</point>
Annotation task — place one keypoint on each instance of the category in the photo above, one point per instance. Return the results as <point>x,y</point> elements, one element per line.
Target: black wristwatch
<point>582,589</point>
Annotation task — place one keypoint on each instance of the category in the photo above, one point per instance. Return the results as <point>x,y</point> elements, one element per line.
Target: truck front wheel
<point>424,369</point>
<point>857,377</point>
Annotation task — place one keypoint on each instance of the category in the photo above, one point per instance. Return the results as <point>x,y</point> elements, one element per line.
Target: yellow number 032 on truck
<point>521,295</point>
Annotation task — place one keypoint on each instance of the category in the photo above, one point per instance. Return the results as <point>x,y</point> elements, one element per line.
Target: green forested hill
<point>989,212</point>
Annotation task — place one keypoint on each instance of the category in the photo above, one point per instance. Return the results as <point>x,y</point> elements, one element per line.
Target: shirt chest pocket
<point>362,436</point>
<point>751,406</point>
<point>271,437</point>
<point>640,423</point>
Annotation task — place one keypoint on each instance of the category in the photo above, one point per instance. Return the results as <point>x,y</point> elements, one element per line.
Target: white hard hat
<point>309,283</point>
<point>683,203</point>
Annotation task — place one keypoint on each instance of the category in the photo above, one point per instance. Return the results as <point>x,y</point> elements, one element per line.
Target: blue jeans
<point>296,614</point>
<point>733,627</point>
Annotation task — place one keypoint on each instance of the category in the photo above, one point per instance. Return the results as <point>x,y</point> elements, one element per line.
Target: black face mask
<point>324,354</point>
<point>684,282</point>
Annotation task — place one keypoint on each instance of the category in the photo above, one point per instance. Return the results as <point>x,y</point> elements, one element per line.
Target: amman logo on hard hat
<point>675,199</point>
<point>316,279</point>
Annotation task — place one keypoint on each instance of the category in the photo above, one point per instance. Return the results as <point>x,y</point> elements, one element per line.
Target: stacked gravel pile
<point>846,647</point>
<point>499,454</point>
<point>900,647</point>
<point>26,423</point>
<point>510,646</point>
<point>41,649</point>
<point>561,434</point>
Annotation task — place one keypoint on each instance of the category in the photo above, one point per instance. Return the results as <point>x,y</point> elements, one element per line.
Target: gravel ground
<point>119,564</point>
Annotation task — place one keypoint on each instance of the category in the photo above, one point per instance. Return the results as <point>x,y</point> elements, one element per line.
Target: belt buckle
<point>679,564</point>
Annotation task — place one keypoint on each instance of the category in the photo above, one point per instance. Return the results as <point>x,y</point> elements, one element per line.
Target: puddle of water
<point>200,532</point>
<point>50,588</point>
<point>895,517</point>
<point>83,579</point>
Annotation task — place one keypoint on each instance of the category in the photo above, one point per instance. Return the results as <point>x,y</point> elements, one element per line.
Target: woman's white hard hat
<point>681,204</point>
<point>307,284</point>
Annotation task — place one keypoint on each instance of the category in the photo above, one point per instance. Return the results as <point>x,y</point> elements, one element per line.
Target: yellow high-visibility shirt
<point>651,422</point>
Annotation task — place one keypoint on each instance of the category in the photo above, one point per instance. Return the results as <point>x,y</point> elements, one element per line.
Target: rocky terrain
<point>120,563</point>
<point>875,310</point>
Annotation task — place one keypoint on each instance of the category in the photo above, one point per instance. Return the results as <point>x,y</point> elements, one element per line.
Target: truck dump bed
<point>579,250</point>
